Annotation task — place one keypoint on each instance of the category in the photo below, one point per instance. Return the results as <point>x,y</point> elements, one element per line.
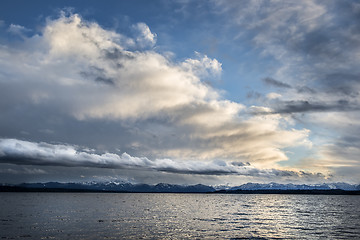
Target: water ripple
<point>177,216</point>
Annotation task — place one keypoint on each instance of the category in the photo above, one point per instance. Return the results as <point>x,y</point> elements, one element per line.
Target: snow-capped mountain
<point>120,186</point>
<point>290,186</point>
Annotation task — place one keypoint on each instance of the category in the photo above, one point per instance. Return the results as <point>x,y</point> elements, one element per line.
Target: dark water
<point>177,216</point>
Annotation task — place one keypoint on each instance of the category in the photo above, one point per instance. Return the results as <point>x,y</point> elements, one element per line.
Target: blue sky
<point>214,92</point>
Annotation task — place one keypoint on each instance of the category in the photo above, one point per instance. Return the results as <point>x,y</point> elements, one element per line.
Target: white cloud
<point>273,95</point>
<point>145,38</point>
<point>203,66</point>
<point>80,40</point>
<point>17,29</point>
<point>78,69</point>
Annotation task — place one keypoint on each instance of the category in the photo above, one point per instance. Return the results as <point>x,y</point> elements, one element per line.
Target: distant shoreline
<point>262,191</point>
<point>291,192</point>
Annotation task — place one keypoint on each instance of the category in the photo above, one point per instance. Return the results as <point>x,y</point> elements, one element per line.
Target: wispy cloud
<point>276,83</point>
<point>315,48</point>
<point>305,106</point>
<point>302,106</point>
<point>18,30</point>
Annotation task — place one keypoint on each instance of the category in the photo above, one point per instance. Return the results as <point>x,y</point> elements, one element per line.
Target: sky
<point>182,92</point>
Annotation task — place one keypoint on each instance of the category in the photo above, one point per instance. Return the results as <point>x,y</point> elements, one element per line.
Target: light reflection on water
<point>177,216</point>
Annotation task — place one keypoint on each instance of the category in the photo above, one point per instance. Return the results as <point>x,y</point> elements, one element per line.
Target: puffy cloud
<point>145,38</point>
<point>76,57</point>
<point>203,66</point>
<point>72,37</point>
<point>77,73</point>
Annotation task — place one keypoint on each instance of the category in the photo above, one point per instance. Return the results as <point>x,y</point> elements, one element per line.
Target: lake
<point>177,216</point>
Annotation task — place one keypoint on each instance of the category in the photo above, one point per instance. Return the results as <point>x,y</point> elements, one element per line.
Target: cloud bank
<point>20,152</point>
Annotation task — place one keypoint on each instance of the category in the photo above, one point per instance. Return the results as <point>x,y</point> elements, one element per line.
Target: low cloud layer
<point>20,152</point>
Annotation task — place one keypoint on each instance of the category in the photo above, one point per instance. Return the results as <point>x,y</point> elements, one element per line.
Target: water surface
<point>177,216</point>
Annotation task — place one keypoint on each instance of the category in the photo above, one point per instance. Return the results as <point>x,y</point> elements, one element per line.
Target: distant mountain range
<point>173,188</point>
<point>290,186</point>
<point>110,187</point>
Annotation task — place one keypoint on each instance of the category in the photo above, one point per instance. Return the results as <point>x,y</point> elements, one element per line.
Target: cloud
<point>305,89</point>
<point>342,83</point>
<point>20,152</point>
<point>240,163</point>
<point>75,56</point>
<point>275,83</point>
<point>18,30</point>
<point>144,38</point>
<point>78,79</point>
<point>22,171</point>
<point>97,74</point>
<point>273,95</point>
<point>203,66</point>
<point>339,149</point>
<point>305,106</point>
<point>312,48</point>
<point>312,43</point>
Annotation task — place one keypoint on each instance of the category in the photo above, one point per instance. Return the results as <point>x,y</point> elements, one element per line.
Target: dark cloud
<point>305,89</point>
<point>317,44</point>
<point>253,95</point>
<point>275,83</point>
<point>306,106</point>
<point>217,172</point>
<point>332,41</point>
<point>240,164</point>
<point>314,43</point>
<point>116,54</point>
<point>303,106</point>
<point>97,74</point>
<point>341,83</point>
<point>104,80</point>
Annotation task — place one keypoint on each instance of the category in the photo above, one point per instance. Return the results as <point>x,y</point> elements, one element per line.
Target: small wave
<point>252,238</point>
<point>241,213</point>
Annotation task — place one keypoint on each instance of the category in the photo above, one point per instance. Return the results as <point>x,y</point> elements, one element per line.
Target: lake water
<point>177,216</point>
